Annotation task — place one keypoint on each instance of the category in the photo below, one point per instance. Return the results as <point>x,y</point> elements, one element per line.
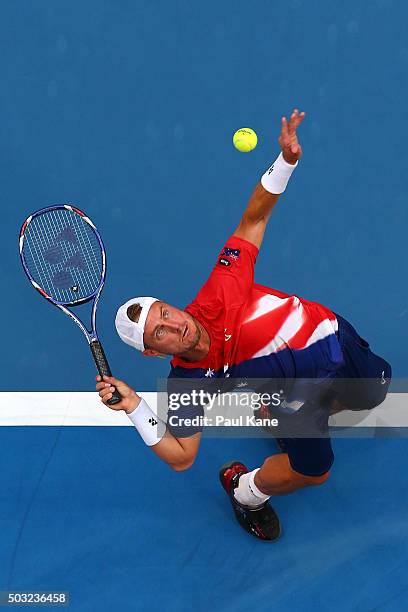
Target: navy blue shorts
<point>371,376</point>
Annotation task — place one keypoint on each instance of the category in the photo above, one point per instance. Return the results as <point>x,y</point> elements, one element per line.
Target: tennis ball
<point>245,140</point>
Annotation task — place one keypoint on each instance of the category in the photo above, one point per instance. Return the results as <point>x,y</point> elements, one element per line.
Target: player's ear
<point>152,353</point>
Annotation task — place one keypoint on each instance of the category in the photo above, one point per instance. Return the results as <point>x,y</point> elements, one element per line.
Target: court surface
<point>93,514</point>
<point>127,109</point>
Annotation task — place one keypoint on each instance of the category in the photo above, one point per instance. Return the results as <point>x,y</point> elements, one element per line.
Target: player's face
<point>170,330</point>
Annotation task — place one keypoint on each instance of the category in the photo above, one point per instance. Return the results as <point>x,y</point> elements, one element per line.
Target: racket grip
<point>103,368</point>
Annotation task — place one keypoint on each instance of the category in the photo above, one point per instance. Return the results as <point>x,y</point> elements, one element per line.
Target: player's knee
<point>312,481</point>
<point>299,481</point>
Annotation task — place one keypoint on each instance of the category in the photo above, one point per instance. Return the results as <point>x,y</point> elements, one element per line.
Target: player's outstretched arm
<point>256,216</point>
<point>179,453</point>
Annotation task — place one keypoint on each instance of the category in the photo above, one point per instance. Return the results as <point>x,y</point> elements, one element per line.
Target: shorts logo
<point>224,262</point>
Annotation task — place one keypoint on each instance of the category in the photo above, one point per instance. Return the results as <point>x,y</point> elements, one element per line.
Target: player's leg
<point>306,451</point>
<point>304,462</point>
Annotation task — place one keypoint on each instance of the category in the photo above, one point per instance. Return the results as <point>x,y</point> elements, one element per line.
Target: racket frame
<point>90,334</point>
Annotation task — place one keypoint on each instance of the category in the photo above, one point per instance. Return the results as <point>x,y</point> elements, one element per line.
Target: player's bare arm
<point>256,216</point>
<point>178,453</point>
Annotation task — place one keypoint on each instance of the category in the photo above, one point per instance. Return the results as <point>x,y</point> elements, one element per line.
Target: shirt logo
<point>233,253</point>
<point>224,262</point>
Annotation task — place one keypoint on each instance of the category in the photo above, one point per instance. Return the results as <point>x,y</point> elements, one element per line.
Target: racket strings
<point>67,236</point>
<point>79,247</point>
<point>40,239</point>
<point>93,250</point>
<point>33,241</point>
<point>63,255</point>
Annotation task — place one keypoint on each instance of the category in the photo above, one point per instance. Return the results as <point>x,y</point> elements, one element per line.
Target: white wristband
<point>147,424</point>
<point>277,176</point>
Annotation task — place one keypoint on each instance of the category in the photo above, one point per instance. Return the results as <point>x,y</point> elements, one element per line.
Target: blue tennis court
<point>127,110</point>
<point>87,510</point>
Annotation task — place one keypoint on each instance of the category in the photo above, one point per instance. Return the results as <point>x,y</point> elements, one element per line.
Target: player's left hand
<point>291,149</point>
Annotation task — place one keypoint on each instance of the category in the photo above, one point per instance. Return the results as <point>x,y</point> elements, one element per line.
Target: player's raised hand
<point>291,149</point>
<point>130,399</point>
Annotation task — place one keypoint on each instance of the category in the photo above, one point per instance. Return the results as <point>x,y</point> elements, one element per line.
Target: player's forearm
<point>178,453</point>
<point>266,194</point>
<point>260,205</point>
<point>255,218</point>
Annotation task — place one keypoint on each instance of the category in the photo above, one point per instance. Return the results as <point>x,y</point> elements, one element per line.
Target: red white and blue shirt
<point>256,332</point>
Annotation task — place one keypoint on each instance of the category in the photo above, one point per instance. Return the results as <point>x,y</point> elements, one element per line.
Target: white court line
<point>61,408</point>
<point>85,409</point>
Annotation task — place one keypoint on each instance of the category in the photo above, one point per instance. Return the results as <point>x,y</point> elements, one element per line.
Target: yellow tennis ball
<point>245,140</point>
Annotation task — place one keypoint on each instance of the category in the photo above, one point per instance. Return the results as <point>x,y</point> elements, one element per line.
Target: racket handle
<point>103,368</point>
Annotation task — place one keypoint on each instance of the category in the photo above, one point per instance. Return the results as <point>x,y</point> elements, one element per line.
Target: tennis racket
<point>64,258</point>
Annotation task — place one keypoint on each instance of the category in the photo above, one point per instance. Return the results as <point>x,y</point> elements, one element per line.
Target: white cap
<point>129,331</point>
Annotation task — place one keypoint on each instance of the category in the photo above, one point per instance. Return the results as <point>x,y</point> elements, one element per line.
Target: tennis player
<point>237,329</point>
